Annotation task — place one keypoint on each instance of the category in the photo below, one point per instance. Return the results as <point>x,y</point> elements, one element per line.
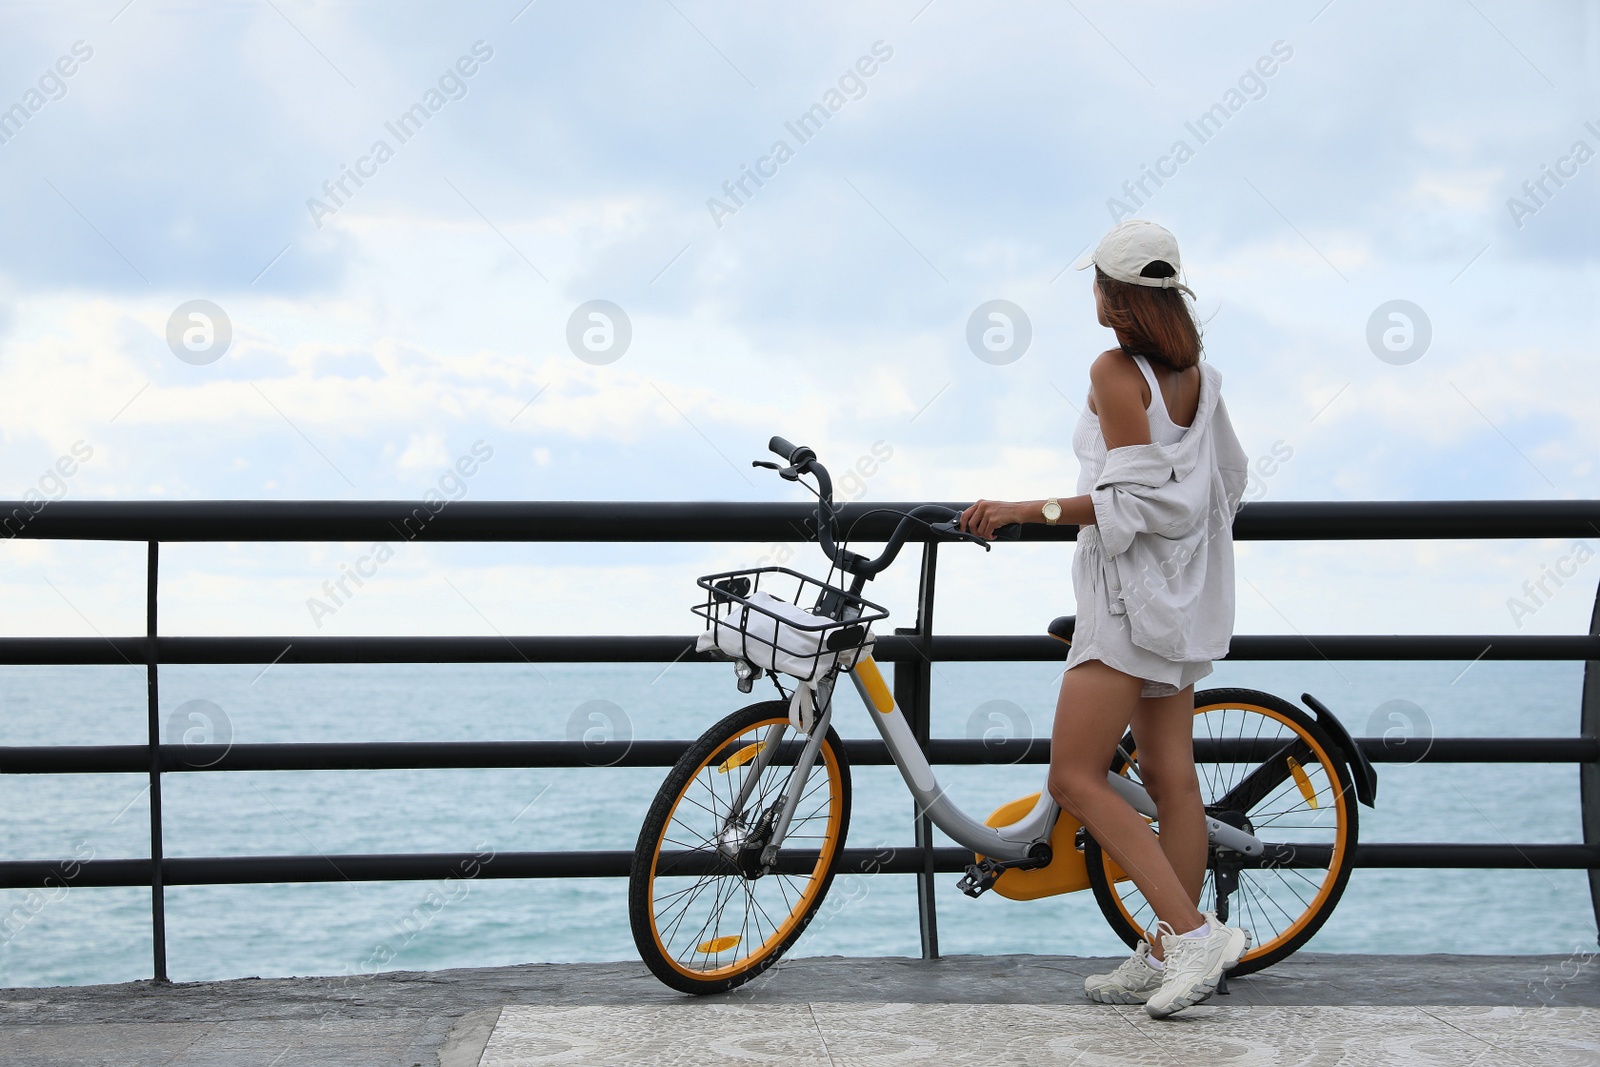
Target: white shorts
<point>1100,635</point>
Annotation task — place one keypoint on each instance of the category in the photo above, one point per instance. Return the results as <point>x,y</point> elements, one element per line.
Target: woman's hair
<point>1150,322</point>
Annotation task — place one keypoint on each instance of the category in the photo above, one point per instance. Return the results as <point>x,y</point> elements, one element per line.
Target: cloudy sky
<point>515,161</point>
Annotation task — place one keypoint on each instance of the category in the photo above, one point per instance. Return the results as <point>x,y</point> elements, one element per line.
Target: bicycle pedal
<point>979,878</point>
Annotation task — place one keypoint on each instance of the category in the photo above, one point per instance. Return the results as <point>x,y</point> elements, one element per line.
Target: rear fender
<point>1362,773</point>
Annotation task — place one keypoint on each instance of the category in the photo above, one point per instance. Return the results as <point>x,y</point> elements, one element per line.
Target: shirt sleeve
<point>1138,492</point>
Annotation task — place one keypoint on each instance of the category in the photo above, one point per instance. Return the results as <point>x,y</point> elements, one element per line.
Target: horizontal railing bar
<point>1481,749</point>
<point>130,651</point>
<point>387,867</point>
<point>448,755</point>
<point>1257,647</point>
<point>343,756</point>
<point>963,751</point>
<point>614,520</point>
<point>1429,854</point>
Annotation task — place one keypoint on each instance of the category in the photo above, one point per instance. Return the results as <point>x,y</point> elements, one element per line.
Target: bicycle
<point>742,841</point>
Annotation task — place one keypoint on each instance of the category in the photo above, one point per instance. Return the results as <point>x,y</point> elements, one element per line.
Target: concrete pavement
<point>963,1009</point>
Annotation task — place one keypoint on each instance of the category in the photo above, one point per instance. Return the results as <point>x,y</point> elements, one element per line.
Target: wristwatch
<point>1052,511</point>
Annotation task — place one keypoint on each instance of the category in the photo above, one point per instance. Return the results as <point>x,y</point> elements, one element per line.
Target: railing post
<point>1589,773</point>
<point>158,904</point>
<point>913,686</point>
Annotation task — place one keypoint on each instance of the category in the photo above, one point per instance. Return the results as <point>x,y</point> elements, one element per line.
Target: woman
<point>1161,475</point>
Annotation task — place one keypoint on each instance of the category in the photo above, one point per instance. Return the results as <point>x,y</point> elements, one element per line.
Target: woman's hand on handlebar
<point>987,516</point>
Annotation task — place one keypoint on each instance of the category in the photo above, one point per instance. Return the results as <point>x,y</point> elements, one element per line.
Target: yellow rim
<point>830,844</point>
<point>1341,838</point>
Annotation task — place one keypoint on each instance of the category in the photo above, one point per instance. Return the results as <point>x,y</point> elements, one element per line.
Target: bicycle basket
<point>748,619</point>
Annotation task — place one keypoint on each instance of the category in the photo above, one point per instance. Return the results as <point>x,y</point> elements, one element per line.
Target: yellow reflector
<point>741,757</point>
<point>717,944</point>
<point>1302,780</point>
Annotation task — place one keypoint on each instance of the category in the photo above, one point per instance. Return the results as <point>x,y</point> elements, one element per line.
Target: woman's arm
<point>1116,395</point>
<point>987,516</point>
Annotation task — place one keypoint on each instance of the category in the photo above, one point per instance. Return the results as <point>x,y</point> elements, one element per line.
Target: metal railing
<point>911,650</point>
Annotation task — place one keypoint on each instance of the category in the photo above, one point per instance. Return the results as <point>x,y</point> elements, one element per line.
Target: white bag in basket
<point>795,651</point>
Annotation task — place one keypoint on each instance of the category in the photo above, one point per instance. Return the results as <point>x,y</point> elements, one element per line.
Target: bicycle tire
<point>1329,779</point>
<point>717,958</point>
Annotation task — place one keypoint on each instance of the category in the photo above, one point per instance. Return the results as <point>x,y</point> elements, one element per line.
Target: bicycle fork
<point>790,798</point>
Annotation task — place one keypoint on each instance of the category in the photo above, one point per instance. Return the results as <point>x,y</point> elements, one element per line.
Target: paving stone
<point>879,1035</point>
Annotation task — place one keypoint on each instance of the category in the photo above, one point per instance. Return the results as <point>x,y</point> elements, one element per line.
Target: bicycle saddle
<point>1061,628</point>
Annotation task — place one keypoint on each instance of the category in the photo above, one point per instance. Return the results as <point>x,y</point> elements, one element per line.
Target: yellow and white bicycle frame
<point>1017,839</point>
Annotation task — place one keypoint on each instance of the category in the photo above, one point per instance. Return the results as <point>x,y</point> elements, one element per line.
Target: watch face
<point>1052,510</point>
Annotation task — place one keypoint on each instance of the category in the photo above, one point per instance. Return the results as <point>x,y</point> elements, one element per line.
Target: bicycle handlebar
<point>803,460</point>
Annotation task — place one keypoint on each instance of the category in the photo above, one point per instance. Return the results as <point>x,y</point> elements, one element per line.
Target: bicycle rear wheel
<point>707,915</point>
<point>1267,767</point>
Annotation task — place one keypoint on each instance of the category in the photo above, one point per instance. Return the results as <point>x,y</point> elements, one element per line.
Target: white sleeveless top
<point>1090,445</point>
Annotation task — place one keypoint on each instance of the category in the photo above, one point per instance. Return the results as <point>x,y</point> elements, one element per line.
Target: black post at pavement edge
<point>1589,773</point>
<point>158,906</point>
<point>920,712</point>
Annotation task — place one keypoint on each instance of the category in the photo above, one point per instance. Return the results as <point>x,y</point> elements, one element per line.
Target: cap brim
<point>1085,261</point>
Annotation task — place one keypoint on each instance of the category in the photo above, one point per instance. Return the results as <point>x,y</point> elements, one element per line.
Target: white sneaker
<point>1131,983</point>
<point>1193,965</point>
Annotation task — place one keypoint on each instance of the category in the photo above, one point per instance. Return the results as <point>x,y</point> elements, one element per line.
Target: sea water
<point>81,934</point>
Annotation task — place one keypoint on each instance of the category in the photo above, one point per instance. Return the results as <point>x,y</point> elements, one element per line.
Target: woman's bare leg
<point>1097,704</point>
<point>1163,734</point>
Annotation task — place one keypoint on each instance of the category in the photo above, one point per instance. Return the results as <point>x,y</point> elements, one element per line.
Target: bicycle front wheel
<point>707,914</point>
<point>1267,767</point>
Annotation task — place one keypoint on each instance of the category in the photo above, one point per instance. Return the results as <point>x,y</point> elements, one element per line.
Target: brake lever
<point>788,474</point>
<point>951,528</point>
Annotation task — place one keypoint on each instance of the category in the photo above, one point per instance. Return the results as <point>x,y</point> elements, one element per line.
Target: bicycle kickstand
<point>1225,876</point>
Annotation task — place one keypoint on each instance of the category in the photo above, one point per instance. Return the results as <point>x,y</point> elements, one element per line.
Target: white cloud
<point>425,452</point>
<point>832,308</point>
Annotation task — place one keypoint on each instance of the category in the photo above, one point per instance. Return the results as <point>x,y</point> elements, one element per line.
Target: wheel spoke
<point>1247,898</point>
<point>725,887</point>
<point>667,934</point>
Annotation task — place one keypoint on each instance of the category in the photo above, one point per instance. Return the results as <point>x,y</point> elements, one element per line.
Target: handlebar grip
<point>792,454</point>
<point>1009,532</point>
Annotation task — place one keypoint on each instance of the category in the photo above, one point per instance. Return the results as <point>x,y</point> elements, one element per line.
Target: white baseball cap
<point>1129,247</point>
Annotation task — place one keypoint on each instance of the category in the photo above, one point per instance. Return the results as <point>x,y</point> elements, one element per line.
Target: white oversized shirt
<point>1164,523</point>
